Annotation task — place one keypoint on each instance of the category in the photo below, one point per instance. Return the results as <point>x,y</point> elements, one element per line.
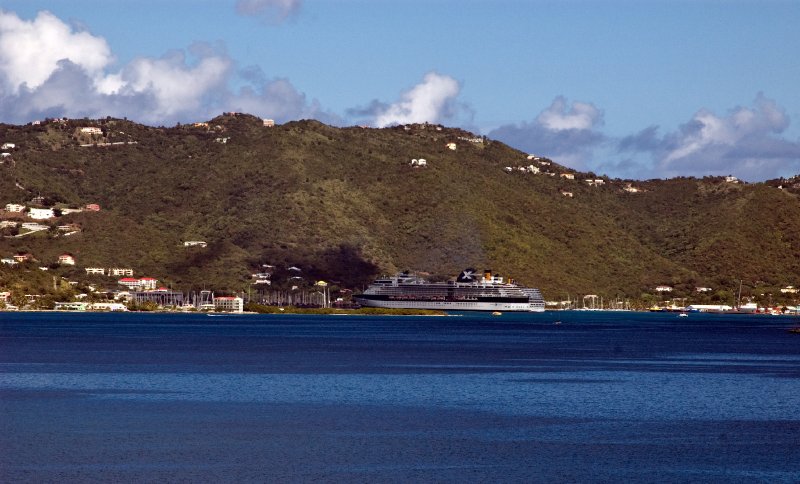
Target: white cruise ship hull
<point>452,305</point>
<point>467,293</point>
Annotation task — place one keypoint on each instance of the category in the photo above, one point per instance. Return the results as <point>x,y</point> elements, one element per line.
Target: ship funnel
<point>487,274</point>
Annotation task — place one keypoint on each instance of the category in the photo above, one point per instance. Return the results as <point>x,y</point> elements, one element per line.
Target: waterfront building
<point>229,303</point>
<point>71,306</point>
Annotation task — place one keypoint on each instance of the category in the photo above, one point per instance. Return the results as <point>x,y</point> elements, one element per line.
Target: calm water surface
<point>554,397</point>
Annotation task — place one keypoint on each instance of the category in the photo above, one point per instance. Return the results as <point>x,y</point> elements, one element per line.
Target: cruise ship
<point>469,292</point>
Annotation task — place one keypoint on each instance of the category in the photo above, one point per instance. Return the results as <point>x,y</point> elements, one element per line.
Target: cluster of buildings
<point>28,218</point>
<point>20,257</point>
<point>38,213</point>
<point>748,307</point>
<point>699,289</point>
<point>541,166</point>
<point>130,291</point>
<point>5,151</point>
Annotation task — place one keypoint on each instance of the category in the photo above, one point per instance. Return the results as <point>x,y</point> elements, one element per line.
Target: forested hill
<point>346,204</point>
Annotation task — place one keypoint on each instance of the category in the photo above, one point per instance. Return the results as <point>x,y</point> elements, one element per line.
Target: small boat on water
<point>496,313</point>
<point>683,315</point>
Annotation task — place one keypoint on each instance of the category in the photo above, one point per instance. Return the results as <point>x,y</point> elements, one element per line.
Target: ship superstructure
<point>468,292</point>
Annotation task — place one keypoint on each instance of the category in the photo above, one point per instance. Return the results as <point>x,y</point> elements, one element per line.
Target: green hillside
<point>344,204</point>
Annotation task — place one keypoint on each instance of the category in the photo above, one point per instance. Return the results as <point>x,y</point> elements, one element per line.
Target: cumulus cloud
<point>277,99</point>
<point>31,50</point>
<point>746,143</point>
<point>177,86</point>
<point>560,117</point>
<point>567,133</point>
<point>273,11</point>
<point>430,101</point>
<point>49,70</point>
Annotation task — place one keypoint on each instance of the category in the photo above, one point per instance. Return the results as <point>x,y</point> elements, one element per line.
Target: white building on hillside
<point>118,271</point>
<point>41,213</point>
<point>14,207</point>
<point>148,283</point>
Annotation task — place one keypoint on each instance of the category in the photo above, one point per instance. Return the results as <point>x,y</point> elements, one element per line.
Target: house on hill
<point>23,257</point>
<point>120,271</point>
<point>66,260</point>
<point>143,284</point>
<point>631,189</point>
<point>14,207</point>
<point>41,213</point>
<point>129,282</point>
<point>148,283</point>
<point>33,226</point>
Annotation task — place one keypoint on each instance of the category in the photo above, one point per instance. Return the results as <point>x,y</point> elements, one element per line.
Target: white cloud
<point>31,50</point>
<point>747,143</point>
<point>707,130</point>
<point>278,99</point>
<point>579,116</point>
<point>425,102</point>
<point>567,134</point>
<point>176,86</point>
<point>49,70</point>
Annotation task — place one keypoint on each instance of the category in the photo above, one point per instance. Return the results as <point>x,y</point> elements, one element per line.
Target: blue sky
<point>634,89</point>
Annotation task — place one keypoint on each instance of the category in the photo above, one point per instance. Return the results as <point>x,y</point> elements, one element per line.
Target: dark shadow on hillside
<point>343,265</point>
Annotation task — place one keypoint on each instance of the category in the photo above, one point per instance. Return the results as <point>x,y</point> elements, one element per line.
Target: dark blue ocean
<point>554,397</point>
